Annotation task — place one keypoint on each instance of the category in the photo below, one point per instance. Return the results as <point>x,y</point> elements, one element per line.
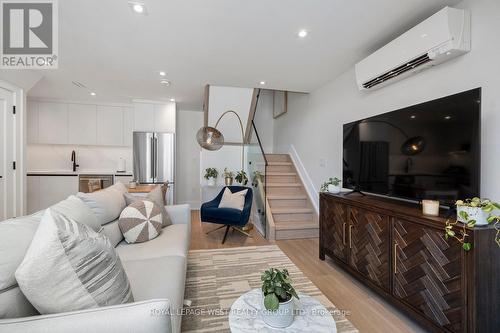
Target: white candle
<point>430,207</point>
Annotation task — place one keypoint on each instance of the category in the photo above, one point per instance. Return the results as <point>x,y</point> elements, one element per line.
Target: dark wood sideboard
<point>401,254</point>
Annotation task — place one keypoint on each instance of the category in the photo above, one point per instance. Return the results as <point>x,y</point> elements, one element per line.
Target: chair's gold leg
<point>243,232</point>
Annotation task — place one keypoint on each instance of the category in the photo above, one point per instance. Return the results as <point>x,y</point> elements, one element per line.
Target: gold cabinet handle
<point>350,236</point>
<point>395,261</point>
<point>343,233</point>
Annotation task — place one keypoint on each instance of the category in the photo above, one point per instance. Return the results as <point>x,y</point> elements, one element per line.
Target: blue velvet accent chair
<point>228,217</point>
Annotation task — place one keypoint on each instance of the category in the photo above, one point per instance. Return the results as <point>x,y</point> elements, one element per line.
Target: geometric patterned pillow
<point>140,221</point>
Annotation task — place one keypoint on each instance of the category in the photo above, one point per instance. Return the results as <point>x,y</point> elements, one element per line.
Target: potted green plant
<point>241,177</point>
<point>473,212</point>
<point>278,294</point>
<point>332,185</point>
<point>211,175</point>
<point>228,177</point>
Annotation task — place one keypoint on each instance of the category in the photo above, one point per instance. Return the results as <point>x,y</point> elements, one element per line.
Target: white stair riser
<point>296,203</point>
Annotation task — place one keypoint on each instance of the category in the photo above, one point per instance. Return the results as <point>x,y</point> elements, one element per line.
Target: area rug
<point>216,278</point>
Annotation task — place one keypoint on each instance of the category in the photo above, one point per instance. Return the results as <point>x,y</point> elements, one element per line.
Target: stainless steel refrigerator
<point>154,159</point>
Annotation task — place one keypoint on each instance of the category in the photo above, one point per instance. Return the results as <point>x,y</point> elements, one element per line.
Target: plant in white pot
<point>471,213</point>
<point>211,175</point>
<point>278,294</point>
<point>332,185</point>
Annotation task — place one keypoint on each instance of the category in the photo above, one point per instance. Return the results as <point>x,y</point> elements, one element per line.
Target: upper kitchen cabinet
<point>144,117</point>
<point>110,125</point>
<point>154,117</point>
<point>128,126</point>
<point>82,124</point>
<point>165,117</point>
<point>52,123</point>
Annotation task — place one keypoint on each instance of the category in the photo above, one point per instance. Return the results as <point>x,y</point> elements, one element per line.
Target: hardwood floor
<point>368,312</point>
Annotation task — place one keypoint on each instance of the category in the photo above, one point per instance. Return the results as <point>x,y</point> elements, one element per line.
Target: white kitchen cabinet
<point>144,117</point>
<point>128,126</point>
<point>56,188</point>
<point>164,120</point>
<point>32,122</point>
<point>124,179</point>
<point>52,123</point>
<point>33,194</point>
<point>110,126</point>
<point>82,124</point>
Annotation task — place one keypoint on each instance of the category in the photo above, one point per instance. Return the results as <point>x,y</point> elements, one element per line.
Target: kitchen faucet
<point>73,159</point>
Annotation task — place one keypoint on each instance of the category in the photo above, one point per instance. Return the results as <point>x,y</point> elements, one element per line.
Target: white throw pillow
<point>233,200</point>
<point>74,208</point>
<point>70,267</point>
<point>106,204</point>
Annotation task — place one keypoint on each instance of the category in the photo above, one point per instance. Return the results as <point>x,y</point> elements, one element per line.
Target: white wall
<point>264,121</point>
<point>188,158</point>
<point>313,124</point>
<point>222,99</point>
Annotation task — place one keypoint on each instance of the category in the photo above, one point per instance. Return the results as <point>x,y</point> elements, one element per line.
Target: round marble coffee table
<point>311,316</point>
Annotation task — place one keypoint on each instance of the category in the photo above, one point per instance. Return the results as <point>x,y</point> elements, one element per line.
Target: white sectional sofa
<point>156,270</point>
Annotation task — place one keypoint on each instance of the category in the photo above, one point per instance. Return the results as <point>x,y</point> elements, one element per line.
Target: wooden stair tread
<point>296,225</point>
<point>291,210</point>
<point>284,184</point>
<point>286,197</point>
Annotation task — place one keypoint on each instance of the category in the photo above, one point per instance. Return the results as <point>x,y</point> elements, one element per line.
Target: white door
<point>7,146</point>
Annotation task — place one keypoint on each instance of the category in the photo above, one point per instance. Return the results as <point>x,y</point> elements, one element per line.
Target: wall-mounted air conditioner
<point>442,36</point>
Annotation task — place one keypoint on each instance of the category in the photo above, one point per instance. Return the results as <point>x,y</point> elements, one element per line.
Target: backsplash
<point>58,157</point>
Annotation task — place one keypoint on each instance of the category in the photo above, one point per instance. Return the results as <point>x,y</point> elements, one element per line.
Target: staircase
<point>289,211</point>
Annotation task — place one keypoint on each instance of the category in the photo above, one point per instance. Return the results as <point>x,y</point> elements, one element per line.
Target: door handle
<point>152,157</point>
<point>343,233</point>
<point>395,258</point>
<point>350,236</point>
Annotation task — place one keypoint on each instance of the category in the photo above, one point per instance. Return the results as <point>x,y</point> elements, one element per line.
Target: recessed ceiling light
<point>423,35</point>
<point>172,100</point>
<point>262,83</point>
<point>138,7</point>
<point>162,73</point>
<point>165,82</point>
<point>413,117</point>
<point>447,117</point>
<point>93,94</point>
<point>302,33</point>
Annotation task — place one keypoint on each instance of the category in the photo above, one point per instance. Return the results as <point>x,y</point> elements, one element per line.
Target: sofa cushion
<point>74,208</point>
<point>13,304</point>
<point>69,266</point>
<point>159,278</point>
<point>106,204</point>
<point>173,240</point>
<point>118,186</point>
<point>15,238</point>
<point>113,232</point>
<point>156,196</point>
<point>140,221</point>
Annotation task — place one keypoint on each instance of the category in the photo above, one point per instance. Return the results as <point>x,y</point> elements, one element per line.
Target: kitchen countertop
<point>77,173</point>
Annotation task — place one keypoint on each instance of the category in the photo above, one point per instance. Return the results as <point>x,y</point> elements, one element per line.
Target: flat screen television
<point>425,151</point>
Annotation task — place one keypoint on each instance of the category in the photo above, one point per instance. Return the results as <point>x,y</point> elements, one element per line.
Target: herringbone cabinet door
<point>334,228</point>
<point>369,242</point>
<point>428,274</point>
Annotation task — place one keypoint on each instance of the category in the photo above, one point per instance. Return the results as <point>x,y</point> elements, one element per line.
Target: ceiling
<point>118,54</point>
